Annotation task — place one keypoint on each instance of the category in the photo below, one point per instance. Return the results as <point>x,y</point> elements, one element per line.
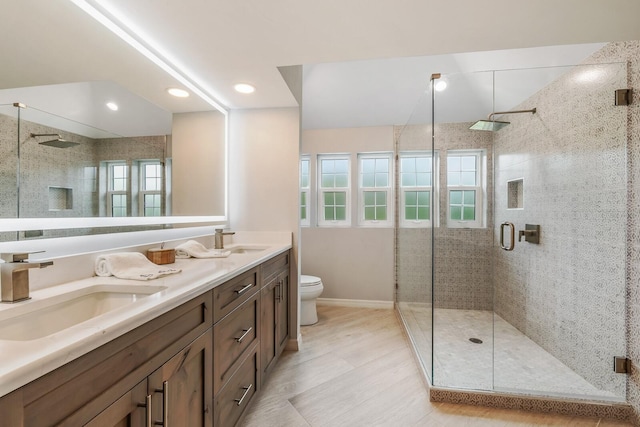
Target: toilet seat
<point>306,280</point>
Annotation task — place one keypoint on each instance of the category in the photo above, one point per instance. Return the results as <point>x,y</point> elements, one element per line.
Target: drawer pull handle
<point>246,391</point>
<point>244,289</point>
<point>148,413</point>
<point>246,332</point>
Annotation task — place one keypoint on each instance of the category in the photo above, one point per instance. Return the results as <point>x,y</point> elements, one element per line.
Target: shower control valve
<point>531,233</point>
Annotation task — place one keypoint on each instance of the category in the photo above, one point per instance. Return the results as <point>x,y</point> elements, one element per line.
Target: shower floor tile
<point>520,364</point>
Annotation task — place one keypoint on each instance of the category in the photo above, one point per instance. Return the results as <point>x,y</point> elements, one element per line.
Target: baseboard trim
<point>293,344</point>
<point>359,303</point>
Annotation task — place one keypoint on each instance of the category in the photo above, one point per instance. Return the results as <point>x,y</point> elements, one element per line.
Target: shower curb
<point>562,406</point>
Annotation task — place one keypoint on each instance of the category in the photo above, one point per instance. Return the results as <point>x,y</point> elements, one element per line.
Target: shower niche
<point>515,194</point>
<point>60,198</point>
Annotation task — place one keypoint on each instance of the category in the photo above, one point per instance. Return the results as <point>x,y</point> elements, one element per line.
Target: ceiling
<point>364,61</point>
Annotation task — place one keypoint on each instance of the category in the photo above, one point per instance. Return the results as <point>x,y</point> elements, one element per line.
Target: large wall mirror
<point>70,165</point>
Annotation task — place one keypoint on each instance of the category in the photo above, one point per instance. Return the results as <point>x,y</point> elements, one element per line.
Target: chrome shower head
<point>57,142</point>
<point>496,125</point>
<point>489,125</point>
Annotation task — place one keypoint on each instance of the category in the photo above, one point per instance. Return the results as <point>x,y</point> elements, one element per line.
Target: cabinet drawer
<point>274,266</point>
<point>232,336</point>
<point>230,295</point>
<point>235,397</point>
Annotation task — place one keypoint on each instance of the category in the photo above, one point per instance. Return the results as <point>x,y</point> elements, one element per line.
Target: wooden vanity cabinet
<point>274,318</point>
<point>200,364</point>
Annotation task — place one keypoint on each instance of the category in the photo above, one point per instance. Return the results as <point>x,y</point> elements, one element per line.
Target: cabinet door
<point>128,411</point>
<point>282,312</point>
<point>181,389</point>
<point>268,306</point>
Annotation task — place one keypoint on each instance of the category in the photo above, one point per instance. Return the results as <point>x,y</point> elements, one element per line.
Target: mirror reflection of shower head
<point>57,142</point>
<point>496,125</point>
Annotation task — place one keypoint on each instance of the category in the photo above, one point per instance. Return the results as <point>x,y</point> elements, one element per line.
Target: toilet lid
<point>309,280</point>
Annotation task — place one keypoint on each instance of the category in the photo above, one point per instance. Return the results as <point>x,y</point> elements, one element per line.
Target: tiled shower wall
<point>567,293</point>
<point>462,256</point>
<point>43,166</point>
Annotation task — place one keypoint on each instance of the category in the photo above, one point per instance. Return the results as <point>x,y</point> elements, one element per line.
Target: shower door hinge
<point>622,97</point>
<point>621,365</point>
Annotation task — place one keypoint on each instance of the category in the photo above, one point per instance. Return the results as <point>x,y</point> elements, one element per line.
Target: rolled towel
<point>130,265</point>
<point>195,249</point>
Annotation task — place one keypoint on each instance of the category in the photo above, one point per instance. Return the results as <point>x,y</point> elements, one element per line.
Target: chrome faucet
<point>14,276</point>
<point>219,237</point>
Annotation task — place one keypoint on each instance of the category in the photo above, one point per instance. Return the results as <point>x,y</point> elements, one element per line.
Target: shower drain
<point>475,340</point>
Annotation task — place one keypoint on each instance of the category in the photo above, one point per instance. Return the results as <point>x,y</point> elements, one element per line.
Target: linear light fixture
<point>118,24</point>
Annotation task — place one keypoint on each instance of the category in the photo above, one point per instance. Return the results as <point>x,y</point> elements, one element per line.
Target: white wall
<point>354,263</point>
<point>263,169</point>
<point>198,163</point>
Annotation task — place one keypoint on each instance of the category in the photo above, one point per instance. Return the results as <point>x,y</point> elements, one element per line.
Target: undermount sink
<point>247,249</point>
<point>41,318</point>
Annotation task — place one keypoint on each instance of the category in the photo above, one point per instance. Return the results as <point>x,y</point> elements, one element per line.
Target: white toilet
<point>310,289</point>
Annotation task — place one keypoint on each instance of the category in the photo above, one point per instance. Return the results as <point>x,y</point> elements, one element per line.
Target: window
<point>150,194</point>
<point>464,188</point>
<point>333,190</point>
<point>118,182</point>
<point>304,192</point>
<point>375,198</point>
<point>417,191</point>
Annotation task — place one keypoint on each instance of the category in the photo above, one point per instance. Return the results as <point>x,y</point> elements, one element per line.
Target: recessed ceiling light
<point>180,93</point>
<point>244,88</point>
<point>112,106</point>
<point>440,86</point>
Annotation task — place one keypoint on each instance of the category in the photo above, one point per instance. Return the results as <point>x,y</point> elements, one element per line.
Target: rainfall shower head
<point>57,142</point>
<point>495,125</point>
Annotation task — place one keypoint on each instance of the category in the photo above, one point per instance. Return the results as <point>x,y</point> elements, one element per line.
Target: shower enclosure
<point>511,243</point>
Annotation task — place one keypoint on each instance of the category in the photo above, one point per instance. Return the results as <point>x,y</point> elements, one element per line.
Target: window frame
<point>434,190</point>
<point>478,188</point>
<point>321,191</point>
<point>110,187</point>
<point>306,190</point>
<point>142,190</point>
<point>388,190</point>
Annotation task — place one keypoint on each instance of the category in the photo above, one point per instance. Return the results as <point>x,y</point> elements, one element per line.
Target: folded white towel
<point>130,265</point>
<point>195,249</point>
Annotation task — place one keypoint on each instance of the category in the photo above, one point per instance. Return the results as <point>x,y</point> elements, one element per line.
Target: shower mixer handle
<point>527,233</point>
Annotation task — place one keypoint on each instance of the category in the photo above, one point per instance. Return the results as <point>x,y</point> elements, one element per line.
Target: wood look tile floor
<point>355,368</point>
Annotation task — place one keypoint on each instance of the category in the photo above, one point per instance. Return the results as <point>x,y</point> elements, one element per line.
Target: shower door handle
<point>512,234</point>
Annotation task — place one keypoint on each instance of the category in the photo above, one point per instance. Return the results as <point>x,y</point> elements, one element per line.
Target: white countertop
<point>24,361</point>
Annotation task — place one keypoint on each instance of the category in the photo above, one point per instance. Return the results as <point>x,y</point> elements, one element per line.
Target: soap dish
<point>161,256</point>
